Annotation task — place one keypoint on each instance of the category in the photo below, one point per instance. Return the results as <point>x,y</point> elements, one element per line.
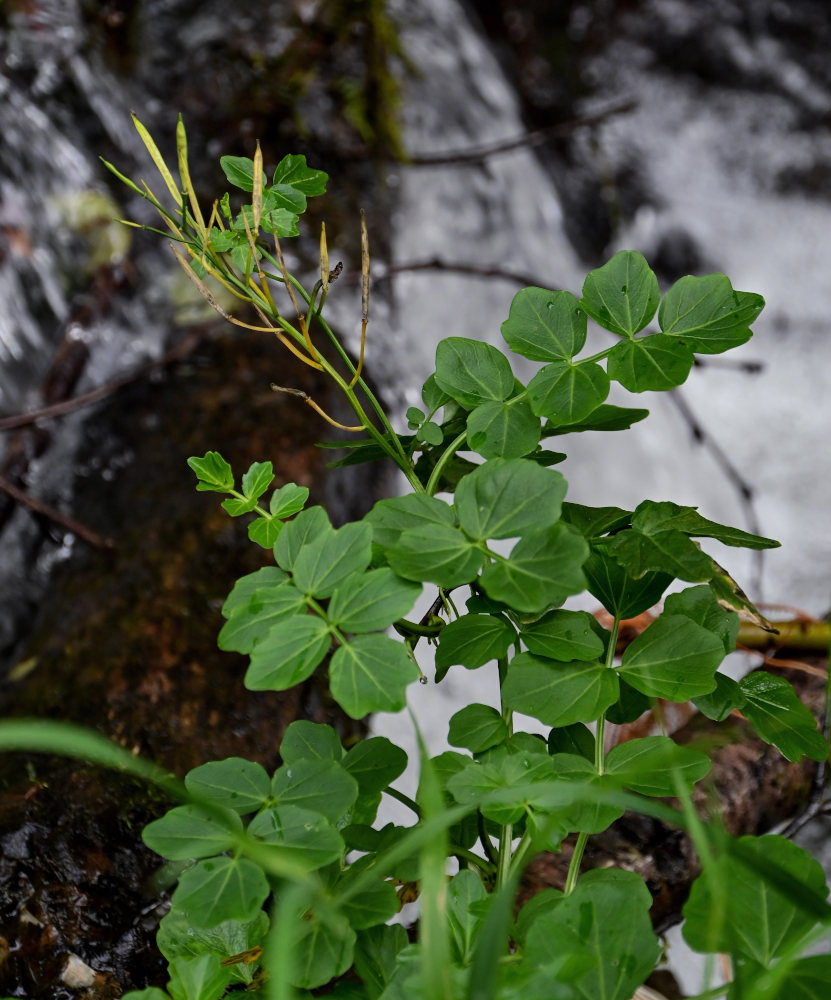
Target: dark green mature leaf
<point>592,522</point>
<point>618,591</point>
<point>292,170</point>
<point>656,765</point>
<point>304,740</point>
<point>807,979</point>
<point>305,835</point>
<point>567,393</point>
<point>707,314</point>
<point>374,763</point>
<point>252,621</point>
<point>574,739</point>
<point>433,396</point>
<point>476,728</point>
<point>221,889</point>
<point>197,977</point>
<point>213,472</point>
<point>390,518</point>
<point>750,916</point>
<point>655,362</point>
<point>439,554</point>
<point>506,429</point>
<point>607,915</point>
<point>631,705</point>
<point>245,588</point>
<point>312,523</point>
<point>189,832</point>
<point>674,658</point>
<point>371,674</point>
<point>604,418</point>
<point>544,568</point>
<point>326,562</point>
<point>652,518</point>
<point>700,604</point>
<point>375,954</point>
<point>718,704</point>
<point>322,948</point>
<point>234,783</point>
<point>472,372</point>
<point>505,498</point>
<point>288,654</point>
<point>372,601</point>
<point>545,326</point>
<point>239,170</point>
<point>779,717</point>
<point>373,904</point>
<point>320,785</point>
<point>519,776</point>
<point>670,552</point>
<point>473,641</point>
<point>564,635</point>
<point>623,294</point>
<point>559,694</point>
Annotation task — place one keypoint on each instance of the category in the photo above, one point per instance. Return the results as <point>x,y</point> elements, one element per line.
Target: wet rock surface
<point>126,643</point>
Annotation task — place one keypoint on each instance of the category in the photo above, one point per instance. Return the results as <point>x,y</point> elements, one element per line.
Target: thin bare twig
<point>54,515</point>
<point>436,264</point>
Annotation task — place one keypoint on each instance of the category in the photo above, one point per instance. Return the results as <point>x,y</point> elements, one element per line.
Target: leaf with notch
<point>329,560</point>
<point>472,641</point>
<point>563,635</point>
<point>213,472</point>
<point>567,393</point>
<point>472,372</point>
<point>254,483</point>
<point>476,728</point>
<point>674,659</point>
<point>310,524</point>
<point>559,694</point>
<point>652,517</point>
<point>224,888</point>
<point>655,362</point>
<point>506,429</point>
<point>700,604</point>
<point>670,552</point>
<point>234,783</point>
<point>718,704</point>
<point>545,326</point>
<point>251,622</point>
<point>779,717</point>
<point>436,553</point>
<point>289,653</point>
<point>371,601</point>
<point>320,785</point>
<point>304,740</point>
<point>288,500</point>
<point>619,591</point>
<point>505,498</point>
<point>371,674</point>
<point>186,832</point>
<point>706,313</point>
<point>390,518</point>
<point>293,171</point>
<point>623,294</point>
<point>593,522</point>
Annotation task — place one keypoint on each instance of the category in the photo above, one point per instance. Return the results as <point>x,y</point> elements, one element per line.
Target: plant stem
<point>404,799</point>
<point>574,866</point>
<point>449,452</point>
<point>503,869</point>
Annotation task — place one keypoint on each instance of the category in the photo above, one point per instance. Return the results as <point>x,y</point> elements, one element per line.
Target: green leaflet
<point>371,674</point>
<point>656,765</point>
<point>473,641</point>
<point>700,605</point>
<point>567,393</point>
<point>213,472</point>
<point>545,326</point>
<point>707,314</point>
<point>619,591</point>
<point>252,620</point>
<point>389,519</point>
<point>312,523</point>
<point>289,653</point>
<point>372,601</point>
<point>472,372</point>
<point>564,635</point>
<point>221,889</point>
<point>437,553</point>
<point>233,783</point>
<point>304,740</point>
<point>198,977</point>
<point>506,429</point>
<point>655,362</point>
<point>329,560</point>
<point>779,717</point>
<point>186,832</point>
<point>245,588</point>
<point>559,694</point>
<point>719,703</point>
<point>477,728</point>
<point>622,295</point>
<point>674,658</point>
<point>319,785</point>
<point>508,497</point>
<point>305,835</point>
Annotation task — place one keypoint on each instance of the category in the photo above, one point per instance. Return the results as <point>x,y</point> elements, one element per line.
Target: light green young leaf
<point>563,635</point>
<point>559,694</point>
<point>505,498</point>
<point>473,641</point>
<point>472,372</point>
<point>186,832</point>
<point>245,588</point>
<point>439,554</point>
<point>674,659</point>
<point>251,622</point>
<point>371,674</point>
<point>198,977</point>
<point>213,472</point>
<point>236,507</point>
<point>322,786</point>
<point>176,938</point>
<point>288,500</point>
<point>623,294</point>
<point>234,783</point>
<point>503,429</point>
<point>257,480</point>
<point>289,653</point>
<point>707,314</point>
<point>779,717</point>
<point>567,393</point>
<point>656,765</point>
<point>264,531</point>
<point>304,740</point>
<point>477,728</point>
<point>305,835</point>
<point>310,524</point>
<point>372,601</point>
<point>545,326</point>
<point>329,560</point>
<point>655,362</point>
<point>221,889</point>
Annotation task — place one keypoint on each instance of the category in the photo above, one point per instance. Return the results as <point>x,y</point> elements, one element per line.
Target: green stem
<point>519,854</point>
<point>574,866</point>
<point>474,859</point>
<point>503,869</point>
<point>404,799</point>
<point>449,452</point>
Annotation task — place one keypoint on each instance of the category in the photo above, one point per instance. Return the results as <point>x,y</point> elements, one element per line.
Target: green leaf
<point>472,372</point>
<point>623,294</point>
<point>325,562</point>
<point>289,653</point>
<point>288,500</point>
<point>305,835</point>
<point>604,418</point>
<point>588,813</point>
<point>656,765</point>
<point>574,739</point>
<point>372,905</point>
<point>439,554</point>
<point>465,898</point>
<point>559,694</point>
<point>473,641</point>
<point>593,522</point>
<point>375,954</point>
<point>221,889</point>
<point>245,588</point>
<point>652,517</point>
<point>807,979</point>
<point>304,740</point>
<point>371,674</point>
<point>257,480</point>
<point>292,170</point>
<point>674,659</point>
<point>213,472</point>
<point>236,507</point>
<point>251,622</point>
<point>239,170</point>
<point>567,393</point>
<point>518,777</point>
<point>372,601</point>
<point>319,785</point>
<point>607,915</point>
<point>544,568</point>
<point>750,916</point>
<point>503,429</point>
<point>234,783</point>
<point>176,938</point>
<point>310,524</point>
<point>654,362</point>
<point>390,518</point>
<point>477,728</point>
<point>323,947</point>
<point>505,498</point>
<point>433,396</point>
<point>430,433</point>
<point>707,314</point>
<point>631,705</point>
<point>779,717</point>
<point>545,326</point>
<point>150,993</point>
<point>199,977</point>
<point>264,531</point>
<point>563,635</point>
<point>189,832</point>
<point>670,552</point>
<point>700,605</point>
<point>718,704</point>
<point>618,591</point>
<point>415,417</point>
<point>374,763</point>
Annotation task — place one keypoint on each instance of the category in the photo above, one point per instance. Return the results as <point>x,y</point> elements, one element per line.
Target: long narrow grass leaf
<point>158,159</point>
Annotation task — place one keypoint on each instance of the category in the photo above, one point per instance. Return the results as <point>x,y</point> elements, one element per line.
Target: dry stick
<point>435,264</point>
<point>39,507</point>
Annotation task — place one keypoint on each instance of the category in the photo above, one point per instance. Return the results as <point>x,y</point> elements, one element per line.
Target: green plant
<point>487,520</point>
